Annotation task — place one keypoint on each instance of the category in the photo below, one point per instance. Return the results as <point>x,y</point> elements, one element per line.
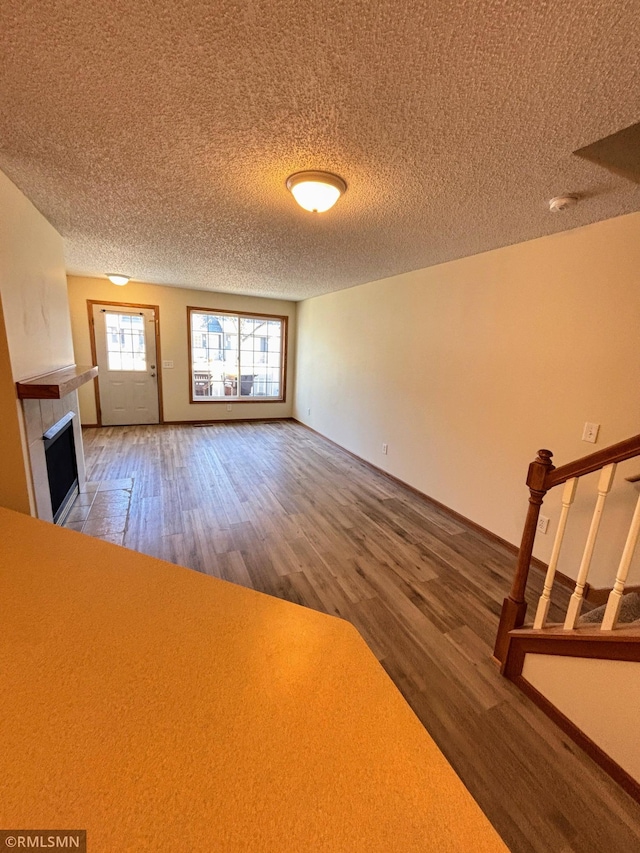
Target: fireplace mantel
<point>54,386</point>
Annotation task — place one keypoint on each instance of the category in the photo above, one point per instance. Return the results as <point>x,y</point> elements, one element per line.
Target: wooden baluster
<point>575,604</point>
<point>568,494</point>
<point>615,596</point>
<point>514,607</point>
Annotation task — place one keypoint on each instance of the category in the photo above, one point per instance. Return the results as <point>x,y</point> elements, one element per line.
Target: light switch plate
<point>590,432</point>
<point>167,364</point>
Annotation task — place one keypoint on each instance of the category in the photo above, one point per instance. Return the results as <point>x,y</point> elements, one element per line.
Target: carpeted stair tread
<point>629,611</point>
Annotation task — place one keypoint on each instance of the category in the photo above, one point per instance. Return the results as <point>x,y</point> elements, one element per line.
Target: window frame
<point>250,315</point>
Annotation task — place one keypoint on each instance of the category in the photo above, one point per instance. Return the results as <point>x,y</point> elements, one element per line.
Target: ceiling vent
<point>619,153</point>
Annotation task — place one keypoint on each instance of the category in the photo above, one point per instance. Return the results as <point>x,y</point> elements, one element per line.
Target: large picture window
<point>236,356</point>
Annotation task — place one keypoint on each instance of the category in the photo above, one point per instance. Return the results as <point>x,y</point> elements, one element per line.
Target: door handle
<point>153,374</point>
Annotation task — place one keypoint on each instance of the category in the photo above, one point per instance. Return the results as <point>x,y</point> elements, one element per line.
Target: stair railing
<point>541,477</point>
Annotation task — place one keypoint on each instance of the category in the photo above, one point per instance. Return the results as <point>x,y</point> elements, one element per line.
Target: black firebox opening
<point>62,468</point>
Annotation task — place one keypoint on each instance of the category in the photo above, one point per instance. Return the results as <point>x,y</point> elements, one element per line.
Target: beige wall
<point>601,697</point>
<point>173,302</point>
<point>36,332</point>
<point>33,287</point>
<point>14,485</point>
<point>467,368</point>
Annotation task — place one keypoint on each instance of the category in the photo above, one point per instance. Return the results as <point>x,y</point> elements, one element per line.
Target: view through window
<point>125,341</point>
<point>237,356</point>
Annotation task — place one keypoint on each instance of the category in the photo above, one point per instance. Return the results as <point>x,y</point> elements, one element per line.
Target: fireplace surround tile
<point>39,416</point>
<point>32,420</point>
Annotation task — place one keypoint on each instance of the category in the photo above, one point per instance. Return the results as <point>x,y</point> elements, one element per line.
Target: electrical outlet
<point>167,364</point>
<point>590,432</point>
<point>543,524</point>
<point>385,448</point>
<point>228,407</point>
<point>308,412</point>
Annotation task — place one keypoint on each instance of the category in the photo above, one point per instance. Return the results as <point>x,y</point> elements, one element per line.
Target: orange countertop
<point>164,710</point>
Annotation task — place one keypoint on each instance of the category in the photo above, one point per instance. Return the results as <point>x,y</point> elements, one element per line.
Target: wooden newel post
<point>514,607</point>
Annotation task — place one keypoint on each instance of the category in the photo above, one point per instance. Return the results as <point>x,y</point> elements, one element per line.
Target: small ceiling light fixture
<point>116,278</point>
<point>316,191</point>
<point>562,202</point>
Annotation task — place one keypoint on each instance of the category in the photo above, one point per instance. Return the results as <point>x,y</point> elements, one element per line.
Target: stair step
<point>629,611</point>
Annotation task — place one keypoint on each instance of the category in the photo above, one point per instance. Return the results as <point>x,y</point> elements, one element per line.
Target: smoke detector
<point>562,202</point>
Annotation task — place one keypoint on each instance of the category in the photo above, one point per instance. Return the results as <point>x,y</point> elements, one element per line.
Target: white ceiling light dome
<point>562,202</point>
<point>316,192</point>
<point>117,278</point>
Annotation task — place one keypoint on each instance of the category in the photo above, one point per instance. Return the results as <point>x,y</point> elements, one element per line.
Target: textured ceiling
<point>157,135</point>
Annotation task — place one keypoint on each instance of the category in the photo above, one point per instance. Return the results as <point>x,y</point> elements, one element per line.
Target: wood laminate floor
<point>275,507</point>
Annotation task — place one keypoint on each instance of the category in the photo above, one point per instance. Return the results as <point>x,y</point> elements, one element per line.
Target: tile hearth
<point>102,510</point>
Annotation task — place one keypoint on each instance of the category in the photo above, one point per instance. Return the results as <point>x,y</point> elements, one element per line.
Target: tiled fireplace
<point>40,416</point>
<point>52,428</point>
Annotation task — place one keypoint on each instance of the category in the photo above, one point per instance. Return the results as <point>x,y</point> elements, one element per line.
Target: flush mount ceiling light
<point>316,191</point>
<point>116,278</point>
<point>562,202</point>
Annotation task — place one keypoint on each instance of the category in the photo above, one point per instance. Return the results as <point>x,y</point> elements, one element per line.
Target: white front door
<point>127,368</point>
